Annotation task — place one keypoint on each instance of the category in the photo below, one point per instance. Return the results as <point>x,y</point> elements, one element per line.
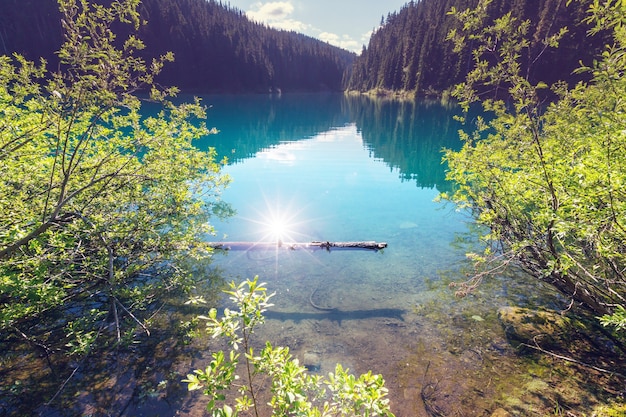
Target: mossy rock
<point>615,410</point>
<point>545,328</point>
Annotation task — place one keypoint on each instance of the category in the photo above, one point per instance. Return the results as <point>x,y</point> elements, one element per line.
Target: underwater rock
<point>500,412</point>
<point>546,328</point>
<point>312,362</point>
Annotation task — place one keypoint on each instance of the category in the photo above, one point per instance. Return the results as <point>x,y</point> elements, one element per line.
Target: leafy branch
<point>544,177</point>
<point>104,203</point>
<point>292,390</point>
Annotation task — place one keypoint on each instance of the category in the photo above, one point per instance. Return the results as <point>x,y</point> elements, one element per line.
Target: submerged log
<point>315,245</point>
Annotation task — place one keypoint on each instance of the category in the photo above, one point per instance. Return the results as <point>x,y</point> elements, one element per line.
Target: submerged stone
<point>501,412</point>
<point>312,362</point>
<point>545,328</point>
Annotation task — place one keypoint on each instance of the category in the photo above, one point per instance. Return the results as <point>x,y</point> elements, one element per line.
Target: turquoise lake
<point>334,168</point>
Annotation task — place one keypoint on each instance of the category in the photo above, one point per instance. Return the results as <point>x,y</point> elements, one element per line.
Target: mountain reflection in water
<point>406,135</point>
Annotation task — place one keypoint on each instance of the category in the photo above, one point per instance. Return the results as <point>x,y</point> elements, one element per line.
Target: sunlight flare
<point>279,227</point>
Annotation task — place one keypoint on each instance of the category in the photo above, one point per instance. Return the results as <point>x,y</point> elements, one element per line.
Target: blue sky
<point>345,23</point>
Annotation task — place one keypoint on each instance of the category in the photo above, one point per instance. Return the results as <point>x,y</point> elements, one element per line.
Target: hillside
<point>217,49</point>
<point>410,53</point>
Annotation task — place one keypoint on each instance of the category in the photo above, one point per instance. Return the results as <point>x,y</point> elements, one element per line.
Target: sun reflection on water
<point>280,222</point>
<point>279,231</point>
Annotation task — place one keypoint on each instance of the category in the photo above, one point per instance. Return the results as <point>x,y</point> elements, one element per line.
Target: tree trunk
<point>367,245</point>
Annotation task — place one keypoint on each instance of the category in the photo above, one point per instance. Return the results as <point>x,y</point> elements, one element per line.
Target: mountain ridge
<point>409,53</point>
<point>217,48</point>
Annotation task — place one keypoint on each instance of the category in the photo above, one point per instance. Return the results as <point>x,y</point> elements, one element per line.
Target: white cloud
<point>290,24</point>
<point>345,41</point>
<point>329,37</point>
<point>276,14</point>
<point>279,15</point>
<point>277,10</point>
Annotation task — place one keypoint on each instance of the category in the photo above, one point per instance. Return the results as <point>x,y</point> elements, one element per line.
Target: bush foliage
<point>547,180</point>
<point>101,205</point>
<point>292,390</point>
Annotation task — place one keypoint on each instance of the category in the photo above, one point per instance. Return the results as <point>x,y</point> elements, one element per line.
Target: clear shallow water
<point>330,168</point>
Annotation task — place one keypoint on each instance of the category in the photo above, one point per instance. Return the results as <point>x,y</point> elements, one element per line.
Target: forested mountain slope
<point>410,52</point>
<point>217,49</point>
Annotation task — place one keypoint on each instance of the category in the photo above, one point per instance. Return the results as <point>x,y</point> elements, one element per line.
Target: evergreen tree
<point>216,48</point>
<point>411,52</point>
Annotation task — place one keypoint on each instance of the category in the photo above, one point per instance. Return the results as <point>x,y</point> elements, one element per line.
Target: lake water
<point>331,168</point>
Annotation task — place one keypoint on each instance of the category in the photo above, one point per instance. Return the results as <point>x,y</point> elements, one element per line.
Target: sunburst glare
<point>279,230</point>
<point>280,222</point>
<point>277,226</point>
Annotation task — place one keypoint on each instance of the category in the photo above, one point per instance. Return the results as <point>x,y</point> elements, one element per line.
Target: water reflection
<point>407,136</point>
<point>248,124</point>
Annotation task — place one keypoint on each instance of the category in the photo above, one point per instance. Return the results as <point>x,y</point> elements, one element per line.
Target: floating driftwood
<point>368,245</point>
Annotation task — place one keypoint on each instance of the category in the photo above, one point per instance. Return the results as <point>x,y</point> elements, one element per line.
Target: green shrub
<point>292,390</point>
